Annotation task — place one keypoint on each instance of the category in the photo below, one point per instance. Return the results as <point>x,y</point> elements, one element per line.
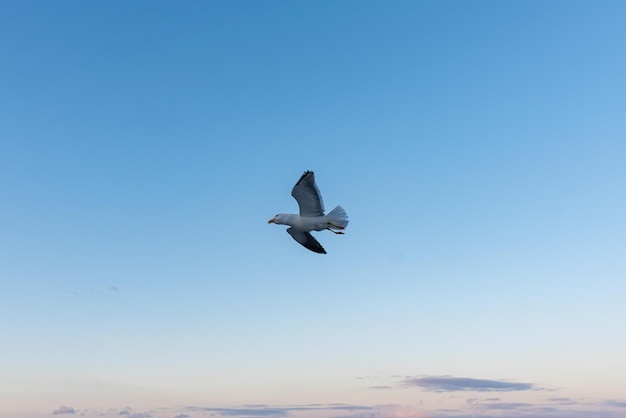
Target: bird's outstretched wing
<point>308,196</point>
<point>306,240</point>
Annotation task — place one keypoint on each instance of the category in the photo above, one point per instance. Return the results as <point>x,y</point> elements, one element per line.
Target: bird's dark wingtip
<point>315,247</point>
<point>306,173</point>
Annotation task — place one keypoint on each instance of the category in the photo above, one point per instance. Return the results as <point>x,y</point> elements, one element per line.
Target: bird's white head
<point>279,219</point>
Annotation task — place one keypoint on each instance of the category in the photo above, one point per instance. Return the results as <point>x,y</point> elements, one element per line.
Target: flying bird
<point>311,217</point>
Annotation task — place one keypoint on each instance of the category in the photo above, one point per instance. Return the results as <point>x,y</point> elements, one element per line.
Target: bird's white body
<point>336,219</point>
<point>311,217</point>
<point>302,223</point>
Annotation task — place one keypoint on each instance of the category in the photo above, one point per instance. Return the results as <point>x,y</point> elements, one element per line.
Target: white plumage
<point>311,217</point>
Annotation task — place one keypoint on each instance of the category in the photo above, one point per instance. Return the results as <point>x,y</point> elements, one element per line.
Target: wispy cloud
<point>555,407</point>
<point>389,411</point>
<point>399,411</point>
<point>281,411</point>
<point>248,412</point>
<point>241,411</point>
<point>454,384</point>
<point>507,405</point>
<point>114,289</point>
<point>124,411</point>
<point>476,401</point>
<point>562,401</point>
<point>142,415</point>
<point>63,409</point>
<point>615,404</point>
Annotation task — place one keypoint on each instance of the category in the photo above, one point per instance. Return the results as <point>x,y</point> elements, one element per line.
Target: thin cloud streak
<point>114,289</point>
<point>455,384</point>
<point>390,411</point>
<point>615,404</point>
<point>267,411</point>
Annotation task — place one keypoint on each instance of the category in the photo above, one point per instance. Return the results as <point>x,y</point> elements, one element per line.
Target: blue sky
<point>478,148</point>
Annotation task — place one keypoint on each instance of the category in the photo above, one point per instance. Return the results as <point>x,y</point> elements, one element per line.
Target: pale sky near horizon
<point>479,149</point>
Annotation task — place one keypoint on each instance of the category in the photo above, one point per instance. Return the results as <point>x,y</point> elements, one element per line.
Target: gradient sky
<point>479,149</point>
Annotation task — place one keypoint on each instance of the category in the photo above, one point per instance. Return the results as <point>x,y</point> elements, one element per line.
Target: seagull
<point>311,217</point>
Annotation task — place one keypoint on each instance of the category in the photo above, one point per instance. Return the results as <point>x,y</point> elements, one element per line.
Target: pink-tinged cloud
<point>64,410</point>
<point>398,411</point>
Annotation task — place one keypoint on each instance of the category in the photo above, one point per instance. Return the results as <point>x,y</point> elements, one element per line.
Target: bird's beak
<point>271,221</point>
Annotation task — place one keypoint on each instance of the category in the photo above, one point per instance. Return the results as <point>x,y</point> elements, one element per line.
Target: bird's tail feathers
<point>338,217</point>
